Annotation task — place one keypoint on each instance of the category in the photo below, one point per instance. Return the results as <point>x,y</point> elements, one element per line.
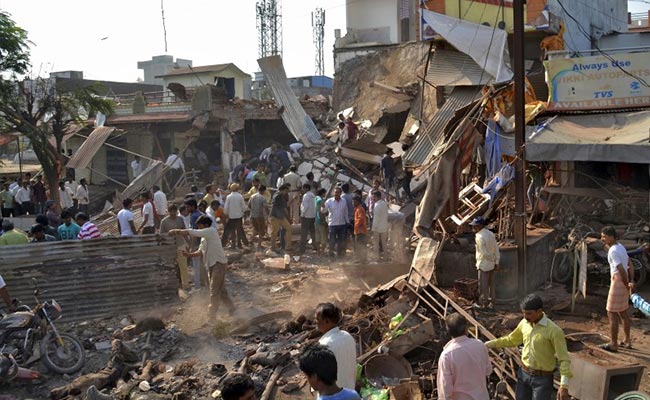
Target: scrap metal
<point>299,123</point>
<point>95,278</point>
<point>84,155</point>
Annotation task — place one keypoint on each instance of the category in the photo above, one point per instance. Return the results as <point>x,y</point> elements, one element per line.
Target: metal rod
<point>520,132</point>
<point>119,148</point>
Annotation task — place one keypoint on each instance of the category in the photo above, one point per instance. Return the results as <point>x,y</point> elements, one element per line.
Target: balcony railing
<point>165,101</point>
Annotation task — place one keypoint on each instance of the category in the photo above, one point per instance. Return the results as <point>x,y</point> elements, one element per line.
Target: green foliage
<point>14,46</point>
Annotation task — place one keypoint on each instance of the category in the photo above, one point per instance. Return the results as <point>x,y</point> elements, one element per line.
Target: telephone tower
<point>318,24</point>
<point>269,27</point>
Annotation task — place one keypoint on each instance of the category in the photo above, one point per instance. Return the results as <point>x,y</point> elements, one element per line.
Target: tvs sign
<point>598,83</point>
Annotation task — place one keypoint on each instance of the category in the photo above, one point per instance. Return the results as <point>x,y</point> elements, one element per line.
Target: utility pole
<point>318,24</point>
<point>520,138</point>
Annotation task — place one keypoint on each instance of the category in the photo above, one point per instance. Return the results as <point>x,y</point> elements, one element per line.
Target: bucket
<point>387,370</point>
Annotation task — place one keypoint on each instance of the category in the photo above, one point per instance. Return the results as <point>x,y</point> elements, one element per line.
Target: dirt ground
<point>259,288</point>
<point>256,290</point>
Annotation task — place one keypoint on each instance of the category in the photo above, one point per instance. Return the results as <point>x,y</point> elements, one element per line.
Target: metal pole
<point>520,132</point>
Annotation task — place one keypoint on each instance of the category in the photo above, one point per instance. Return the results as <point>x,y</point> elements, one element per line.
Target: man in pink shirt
<point>463,365</point>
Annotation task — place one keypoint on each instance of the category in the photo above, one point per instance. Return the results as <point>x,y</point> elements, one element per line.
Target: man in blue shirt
<point>318,363</point>
<point>68,230</point>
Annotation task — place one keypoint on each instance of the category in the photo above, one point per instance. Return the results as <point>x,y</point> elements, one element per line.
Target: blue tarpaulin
<point>492,149</point>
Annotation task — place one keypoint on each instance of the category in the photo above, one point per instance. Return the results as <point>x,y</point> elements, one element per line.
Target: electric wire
<point>603,53</point>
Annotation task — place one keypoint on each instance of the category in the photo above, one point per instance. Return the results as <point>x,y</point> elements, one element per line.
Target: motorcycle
<point>10,371</point>
<point>30,334</point>
<point>597,264</point>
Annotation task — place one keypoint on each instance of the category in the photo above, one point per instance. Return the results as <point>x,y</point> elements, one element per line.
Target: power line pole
<point>318,24</point>
<point>269,27</point>
<point>520,138</point>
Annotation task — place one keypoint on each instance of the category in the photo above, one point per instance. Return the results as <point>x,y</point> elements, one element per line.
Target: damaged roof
<point>453,68</point>
<point>433,133</point>
<point>203,68</point>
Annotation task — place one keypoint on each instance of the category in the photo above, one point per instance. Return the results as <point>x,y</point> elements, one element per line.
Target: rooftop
<point>202,69</point>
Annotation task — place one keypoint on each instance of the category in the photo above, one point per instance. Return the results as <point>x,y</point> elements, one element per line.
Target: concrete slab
<point>304,168</point>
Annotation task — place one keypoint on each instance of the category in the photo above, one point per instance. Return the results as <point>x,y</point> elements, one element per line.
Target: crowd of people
<point>31,196</point>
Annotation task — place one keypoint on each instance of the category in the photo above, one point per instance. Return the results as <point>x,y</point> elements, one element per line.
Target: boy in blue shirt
<point>318,363</point>
<point>68,230</point>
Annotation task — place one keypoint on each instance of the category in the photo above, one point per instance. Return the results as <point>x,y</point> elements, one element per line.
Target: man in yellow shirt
<point>543,343</point>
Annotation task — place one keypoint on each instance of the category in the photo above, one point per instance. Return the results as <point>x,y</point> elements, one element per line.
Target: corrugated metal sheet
<point>453,68</point>
<point>294,116</point>
<point>149,177</point>
<point>433,133</point>
<point>84,155</point>
<point>95,278</point>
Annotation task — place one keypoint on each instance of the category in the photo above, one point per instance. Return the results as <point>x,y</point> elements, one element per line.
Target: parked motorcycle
<point>29,335</point>
<point>597,264</point>
<point>10,370</point>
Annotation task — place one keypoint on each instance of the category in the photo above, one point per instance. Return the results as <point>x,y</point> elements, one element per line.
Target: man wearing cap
<point>544,346</point>
<point>487,260</point>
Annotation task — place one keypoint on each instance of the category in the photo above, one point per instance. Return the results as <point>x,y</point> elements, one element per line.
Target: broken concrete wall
<point>396,66</point>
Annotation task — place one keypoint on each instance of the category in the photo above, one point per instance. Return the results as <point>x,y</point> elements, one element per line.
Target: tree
<point>38,108</point>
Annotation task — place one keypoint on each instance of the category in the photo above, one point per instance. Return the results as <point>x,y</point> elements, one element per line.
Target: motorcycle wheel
<point>562,267</point>
<point>639,271</point>
<point>63,359</point>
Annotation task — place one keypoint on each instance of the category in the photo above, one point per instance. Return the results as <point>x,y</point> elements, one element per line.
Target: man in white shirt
<point>266,153</point>
<point>293,180</point>
<point>307,217</point>
<point>337,221</point>
<point>341,343</point>
<point>296,150</point>
<point>622,278</point>
<point>214,261</point>
<point>72,185</point>
<point>136,167</point>
<point>83,196</point>
<point>234,208</point>
<point>23,198</point>
<point>380,224</point>
<point>15,185</point>
<point>159,201</point>
<point>125,223</point>
<point>148,215</point>
<point>65,197</point>
<point>463,365</point>
<point>176,166</point>
<point>487,260</point>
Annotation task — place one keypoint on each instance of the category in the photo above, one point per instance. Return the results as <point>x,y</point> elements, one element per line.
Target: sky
<point>105,40</point>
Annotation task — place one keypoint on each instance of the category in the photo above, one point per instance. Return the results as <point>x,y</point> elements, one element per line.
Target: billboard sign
<point>599,82</point>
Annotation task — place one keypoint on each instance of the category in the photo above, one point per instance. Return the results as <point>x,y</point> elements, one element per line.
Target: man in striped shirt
<point>88,229</point>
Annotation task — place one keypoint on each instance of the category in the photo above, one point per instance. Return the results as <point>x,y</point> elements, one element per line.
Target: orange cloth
<point>360,220</point>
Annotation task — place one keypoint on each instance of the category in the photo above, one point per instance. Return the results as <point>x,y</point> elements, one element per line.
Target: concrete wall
<point>458,261</point>
<point>140,142</point>
<point>365,15</point>
<point>160,65</point>
<point>616,41</point>
<point>597,18</point>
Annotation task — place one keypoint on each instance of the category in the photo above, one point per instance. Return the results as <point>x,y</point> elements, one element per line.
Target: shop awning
<point>614,137</point>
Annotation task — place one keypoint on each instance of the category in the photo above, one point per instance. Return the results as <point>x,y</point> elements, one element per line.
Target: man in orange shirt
<point>360,230</point>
